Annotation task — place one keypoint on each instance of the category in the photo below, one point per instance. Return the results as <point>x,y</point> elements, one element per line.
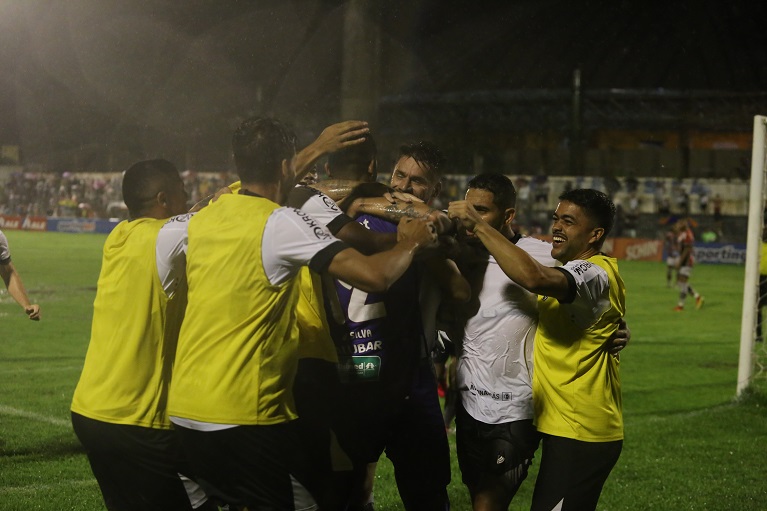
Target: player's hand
<point>340,135</point>
<point>393,197</point>
<point>208,199</point>
<point>423,233</point>
<point>619,339</point>
<point>221,191</point>
<point>465,213</point>
<point>33,311</point>
<point>441,222</point>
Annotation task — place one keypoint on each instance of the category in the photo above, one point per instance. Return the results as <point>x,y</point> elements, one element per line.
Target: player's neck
<point>271,191</point>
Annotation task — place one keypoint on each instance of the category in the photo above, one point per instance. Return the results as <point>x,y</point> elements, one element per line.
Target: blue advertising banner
<point>81,225</point>
<point>720,253</point>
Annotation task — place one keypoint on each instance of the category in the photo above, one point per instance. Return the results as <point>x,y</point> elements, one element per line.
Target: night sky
<point>98,83</point>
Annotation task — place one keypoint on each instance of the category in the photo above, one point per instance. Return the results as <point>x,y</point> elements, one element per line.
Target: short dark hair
<point>596,204</point>
<point>144,180</point>
<point>259,145</point>
<point>426,155</point>
<point>352,162</point>
<point>504,193</point>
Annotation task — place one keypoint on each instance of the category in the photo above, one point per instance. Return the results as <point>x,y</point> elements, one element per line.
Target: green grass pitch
<point>689,444</point>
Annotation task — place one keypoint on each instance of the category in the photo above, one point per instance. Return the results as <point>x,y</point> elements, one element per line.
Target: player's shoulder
<point>179,219</point>
<point>283,218</point>
<point>538,249</point>
<point>376,223</point>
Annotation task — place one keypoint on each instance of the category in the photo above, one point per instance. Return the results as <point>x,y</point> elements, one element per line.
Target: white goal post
<point>749,359</point>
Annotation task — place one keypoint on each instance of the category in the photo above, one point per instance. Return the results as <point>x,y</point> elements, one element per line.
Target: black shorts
<point>411,432</point>
<point>136,467</point>
<point>573,473</point>
<point>257,467</point>
<point>315,390</point>
<point>494,454</point>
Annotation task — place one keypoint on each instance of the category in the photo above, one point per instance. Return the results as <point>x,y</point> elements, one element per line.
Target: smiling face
<point>410,177</point>
<point>574,233</point>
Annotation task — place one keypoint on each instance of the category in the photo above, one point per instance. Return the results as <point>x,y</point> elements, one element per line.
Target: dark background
<point>97,84</point>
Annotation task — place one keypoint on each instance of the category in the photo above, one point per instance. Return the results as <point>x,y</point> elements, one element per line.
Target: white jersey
<point>291,239</point>
<point>5,252</point>
<point>495,361</point>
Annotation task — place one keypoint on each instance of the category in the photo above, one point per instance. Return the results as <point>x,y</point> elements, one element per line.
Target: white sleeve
<point>171,251</point>
<point>322,208</point>
<point>291,239</point>
<point>5,252</point>
<point>592,297</point>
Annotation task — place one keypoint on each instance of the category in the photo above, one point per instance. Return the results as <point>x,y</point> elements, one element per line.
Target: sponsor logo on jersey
<point>359,368</point>
<point>179,218</point>
<point>581,268</point>
<point>319,230</point>
<point>497,396</point>
<point>329,202</point>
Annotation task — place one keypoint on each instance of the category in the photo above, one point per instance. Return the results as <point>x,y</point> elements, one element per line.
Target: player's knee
<point>682,287</point>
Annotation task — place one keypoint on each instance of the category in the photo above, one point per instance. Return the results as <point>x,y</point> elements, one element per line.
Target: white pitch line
<point>26,370</point>
<point>8,410</point>
<point>38,488</point>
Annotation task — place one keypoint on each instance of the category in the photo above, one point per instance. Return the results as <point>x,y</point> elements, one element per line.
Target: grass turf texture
<point>688,445</point>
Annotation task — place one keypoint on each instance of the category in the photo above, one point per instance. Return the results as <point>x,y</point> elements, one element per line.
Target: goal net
<point>753,353</point>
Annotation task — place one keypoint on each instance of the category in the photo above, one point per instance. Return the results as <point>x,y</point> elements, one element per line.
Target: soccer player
<point>671,249</point>
<point>762,299</point>
<point>684,264</point>
<point>13,282</point>
<point>576,381</point>
<point>495,436</point>
<point>392,337</point>
<point>352,150</point>
<point>119,406</point>
<point>231,396</point>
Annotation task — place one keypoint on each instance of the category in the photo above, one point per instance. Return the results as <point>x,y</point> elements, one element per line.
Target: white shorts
<point>685,271</point>
<point>671,261</point>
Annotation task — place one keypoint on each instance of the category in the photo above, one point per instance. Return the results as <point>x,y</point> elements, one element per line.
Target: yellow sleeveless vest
<point>134,331</point>
<point>236,357</point>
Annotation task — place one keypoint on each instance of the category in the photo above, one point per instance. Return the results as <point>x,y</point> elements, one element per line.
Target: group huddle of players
<point>263,350</point>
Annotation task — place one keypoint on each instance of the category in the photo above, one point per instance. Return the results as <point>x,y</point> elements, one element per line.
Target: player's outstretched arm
<point>333,138</point>
<point>375,273</point>
<point>16,290</point>
<point>515,262</point>
<point>396,209</point>
<point>453,285</point>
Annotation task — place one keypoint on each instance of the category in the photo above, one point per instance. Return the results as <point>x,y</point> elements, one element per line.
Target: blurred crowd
<point>84,195</point>
<point>89,195</point>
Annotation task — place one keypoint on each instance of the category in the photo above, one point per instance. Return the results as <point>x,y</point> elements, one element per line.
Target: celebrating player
<point>576,382</point>
<point>119,406</point>
<point>232,386</point>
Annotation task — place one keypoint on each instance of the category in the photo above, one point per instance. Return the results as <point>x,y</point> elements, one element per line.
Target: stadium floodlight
<point>753,355</point>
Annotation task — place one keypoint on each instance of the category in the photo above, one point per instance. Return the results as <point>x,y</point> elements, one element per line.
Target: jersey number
<point>360,311</point>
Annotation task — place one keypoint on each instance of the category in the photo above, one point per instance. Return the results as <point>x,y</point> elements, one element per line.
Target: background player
<point>13,282</point>
<point>685,262</point>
